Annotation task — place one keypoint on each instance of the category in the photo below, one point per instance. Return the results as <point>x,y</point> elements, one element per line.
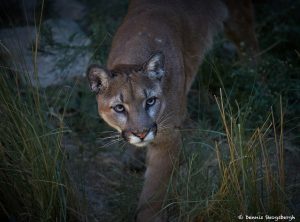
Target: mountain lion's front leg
<point>162,159</point>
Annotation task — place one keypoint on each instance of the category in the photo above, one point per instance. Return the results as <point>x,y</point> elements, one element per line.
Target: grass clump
<point>233,171</point>
<point>34,184</point>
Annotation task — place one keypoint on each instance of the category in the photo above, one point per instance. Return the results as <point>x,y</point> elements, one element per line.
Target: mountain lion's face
<point>130,98</point>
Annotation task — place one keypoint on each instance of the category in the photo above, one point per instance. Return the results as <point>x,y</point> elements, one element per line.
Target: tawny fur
<point>183,31</point>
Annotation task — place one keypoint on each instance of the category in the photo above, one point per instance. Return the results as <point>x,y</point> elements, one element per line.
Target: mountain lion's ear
<point>98,78</point>
<point>154,67</point>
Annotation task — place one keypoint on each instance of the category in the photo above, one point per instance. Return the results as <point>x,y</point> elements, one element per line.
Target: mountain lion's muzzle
<point>140,137</point>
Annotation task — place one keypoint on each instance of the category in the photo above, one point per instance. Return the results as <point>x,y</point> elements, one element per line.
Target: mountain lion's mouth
<point>141,144</point>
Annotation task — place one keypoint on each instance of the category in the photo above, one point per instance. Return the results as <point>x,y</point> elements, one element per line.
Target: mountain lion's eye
<point>151,101</point>
<point>119,108</point>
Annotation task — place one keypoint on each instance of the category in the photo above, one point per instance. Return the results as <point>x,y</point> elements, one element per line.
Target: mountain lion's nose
<point>141,134</point>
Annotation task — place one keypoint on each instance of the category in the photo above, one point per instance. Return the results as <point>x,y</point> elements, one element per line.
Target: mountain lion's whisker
<point>112,142</point>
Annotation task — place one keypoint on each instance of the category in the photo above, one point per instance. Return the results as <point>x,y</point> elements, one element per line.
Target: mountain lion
<point>152,63</point>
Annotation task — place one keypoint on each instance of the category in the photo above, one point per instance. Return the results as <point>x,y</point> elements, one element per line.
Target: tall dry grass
<point>34,182</point>
<point>232,172</point>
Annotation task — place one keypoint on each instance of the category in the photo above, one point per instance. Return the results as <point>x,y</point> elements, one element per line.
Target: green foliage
<point>258,88</point>
<point>255,89</point>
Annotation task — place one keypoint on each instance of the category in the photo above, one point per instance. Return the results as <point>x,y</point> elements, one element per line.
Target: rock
<point>62,53</point>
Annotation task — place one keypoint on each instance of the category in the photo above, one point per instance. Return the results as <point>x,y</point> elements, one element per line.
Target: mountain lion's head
<point>130,98</point>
